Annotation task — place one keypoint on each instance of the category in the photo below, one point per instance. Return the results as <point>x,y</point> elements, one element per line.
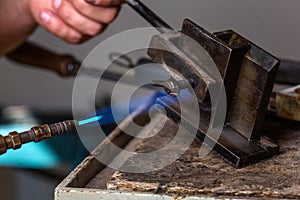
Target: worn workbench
<point>190,176</point>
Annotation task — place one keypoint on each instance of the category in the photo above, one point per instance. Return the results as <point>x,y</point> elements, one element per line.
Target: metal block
<point>288,103</point>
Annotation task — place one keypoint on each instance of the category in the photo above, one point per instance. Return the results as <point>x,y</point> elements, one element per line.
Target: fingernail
<point>45,16</point>
<point>56,4</point>
<point>78,37</point>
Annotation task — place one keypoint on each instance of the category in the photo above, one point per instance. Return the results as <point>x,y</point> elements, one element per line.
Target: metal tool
<point>149,15</point>
<point>248,74</point>
<point>36,134</point>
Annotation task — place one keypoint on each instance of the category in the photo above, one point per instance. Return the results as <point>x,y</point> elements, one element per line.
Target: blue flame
<point>107,116</point>
<point>90,120</point>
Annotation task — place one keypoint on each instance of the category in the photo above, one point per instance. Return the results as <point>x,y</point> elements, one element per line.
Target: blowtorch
<point>15,140</point>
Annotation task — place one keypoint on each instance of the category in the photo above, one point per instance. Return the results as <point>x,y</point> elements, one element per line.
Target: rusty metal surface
<point>278,177</point>
<point>227,57</point>
<point>254,87</point>
<point>288,103</point>
<point>164,50</point>
<point>181,52</point>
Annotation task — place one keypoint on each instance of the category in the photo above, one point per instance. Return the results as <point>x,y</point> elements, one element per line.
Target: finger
<point>97,13</point>
<point>105,2</point>
<point>55,25</point>
<point>84,25</point>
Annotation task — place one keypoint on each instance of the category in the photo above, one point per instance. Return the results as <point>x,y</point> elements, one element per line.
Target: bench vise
<point>248,74</point>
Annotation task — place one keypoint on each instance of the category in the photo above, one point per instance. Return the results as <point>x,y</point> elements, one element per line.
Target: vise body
<point>247,72</point>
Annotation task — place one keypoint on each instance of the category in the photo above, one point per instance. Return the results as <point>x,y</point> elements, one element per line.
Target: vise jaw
<point>247,72</point>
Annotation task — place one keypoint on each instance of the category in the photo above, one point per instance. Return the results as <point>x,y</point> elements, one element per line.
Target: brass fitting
<point>15,140</point>
<point>42,132</point>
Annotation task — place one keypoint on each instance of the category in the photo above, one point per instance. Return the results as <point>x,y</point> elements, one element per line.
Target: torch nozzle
<point>36,134</point>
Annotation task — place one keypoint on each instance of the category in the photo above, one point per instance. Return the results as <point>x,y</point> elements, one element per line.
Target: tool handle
<point>31,54</point>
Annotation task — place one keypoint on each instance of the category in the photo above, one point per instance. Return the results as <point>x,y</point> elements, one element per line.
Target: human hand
<point>74,20</point>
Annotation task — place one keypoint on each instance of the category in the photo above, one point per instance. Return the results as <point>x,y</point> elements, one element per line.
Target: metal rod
<point>149,15</point>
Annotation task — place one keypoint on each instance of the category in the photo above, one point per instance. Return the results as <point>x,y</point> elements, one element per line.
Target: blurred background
<point>272,24</point>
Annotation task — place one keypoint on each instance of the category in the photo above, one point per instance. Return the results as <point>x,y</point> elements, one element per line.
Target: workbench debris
<point>278,177</point>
